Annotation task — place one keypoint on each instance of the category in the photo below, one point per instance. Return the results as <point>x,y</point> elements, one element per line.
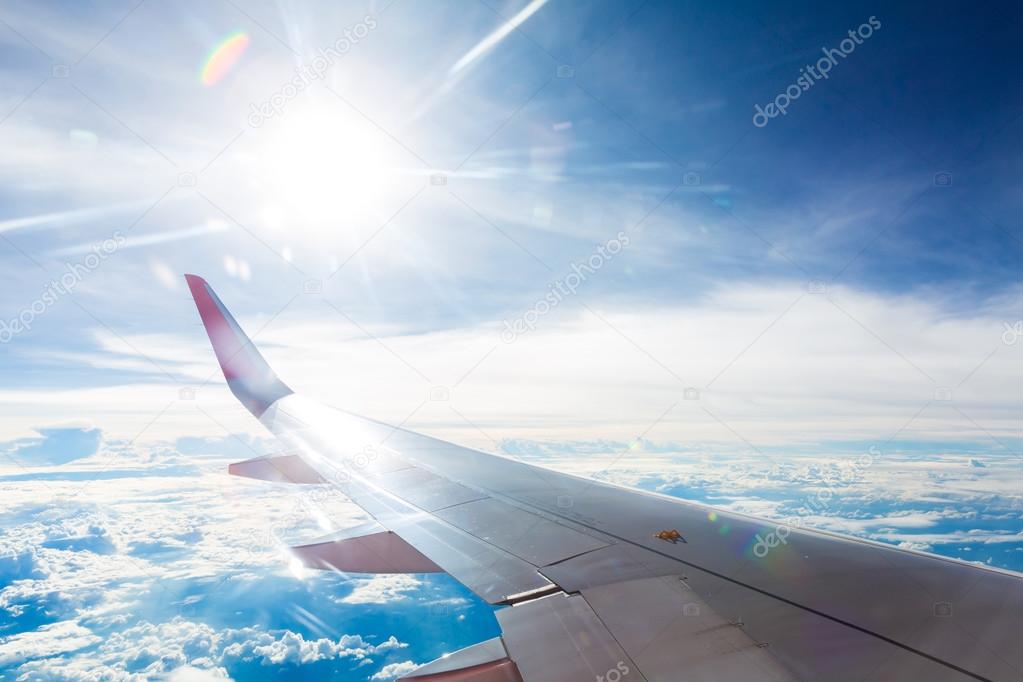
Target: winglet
<point>248,374</point>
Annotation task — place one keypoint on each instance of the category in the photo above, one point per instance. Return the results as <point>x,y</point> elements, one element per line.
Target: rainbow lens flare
<point>223,58</point>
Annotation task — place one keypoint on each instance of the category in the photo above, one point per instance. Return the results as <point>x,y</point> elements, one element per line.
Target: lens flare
<point>223,58</point>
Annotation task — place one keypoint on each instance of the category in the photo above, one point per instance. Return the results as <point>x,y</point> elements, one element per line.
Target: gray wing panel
<point>671,634</point>
<point>652,613</point>
<point>425,490</point>
<point>561,639</point>
<point>527,535</point>
<point>670,616</point>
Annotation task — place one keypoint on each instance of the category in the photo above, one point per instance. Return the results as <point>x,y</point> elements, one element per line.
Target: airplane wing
<point>599,582</point>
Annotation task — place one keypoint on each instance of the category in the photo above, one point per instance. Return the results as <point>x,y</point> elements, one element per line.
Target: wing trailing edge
<point>484,662</point>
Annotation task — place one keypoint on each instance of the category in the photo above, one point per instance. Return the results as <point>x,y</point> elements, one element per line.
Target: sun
<point>323,174</point>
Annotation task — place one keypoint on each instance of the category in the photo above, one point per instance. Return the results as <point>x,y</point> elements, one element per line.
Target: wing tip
<point>197,286</point>
<point>248,375</point>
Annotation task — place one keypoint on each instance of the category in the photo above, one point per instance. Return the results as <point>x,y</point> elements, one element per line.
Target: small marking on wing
<point>672,536</point>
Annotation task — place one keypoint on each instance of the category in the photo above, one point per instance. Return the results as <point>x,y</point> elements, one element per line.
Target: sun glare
<point>324,172</point>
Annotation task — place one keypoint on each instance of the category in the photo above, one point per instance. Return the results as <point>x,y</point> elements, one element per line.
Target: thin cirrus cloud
<point>149,239</point>
<point>780,367</point>
<point>491,41</point>
<point>70,217</point>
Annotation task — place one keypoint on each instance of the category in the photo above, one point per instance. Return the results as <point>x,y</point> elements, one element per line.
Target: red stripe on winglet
<point>230,349</point>
<point>248,374</point>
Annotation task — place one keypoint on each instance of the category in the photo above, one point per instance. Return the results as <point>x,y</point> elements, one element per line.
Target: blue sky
<point>843,277</point>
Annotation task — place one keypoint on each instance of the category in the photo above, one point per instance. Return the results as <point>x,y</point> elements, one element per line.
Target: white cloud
<point>85,546</point>
<point>292,648</point>
<point>48,640</point>
<point>94,552</point>
<point>186,650</point>
<point>382,589</point>
<point>774,365</point>
<point>394,670</point>
<point>187,673</point>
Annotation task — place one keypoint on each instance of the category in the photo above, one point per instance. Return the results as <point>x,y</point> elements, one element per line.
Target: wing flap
<point>484,662</point>
<point>561,638</point>
<point>498,671</point>
<point>491,573</point>
<point>277,468</point>
<point>667,628</point>
<point>382,552</point>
